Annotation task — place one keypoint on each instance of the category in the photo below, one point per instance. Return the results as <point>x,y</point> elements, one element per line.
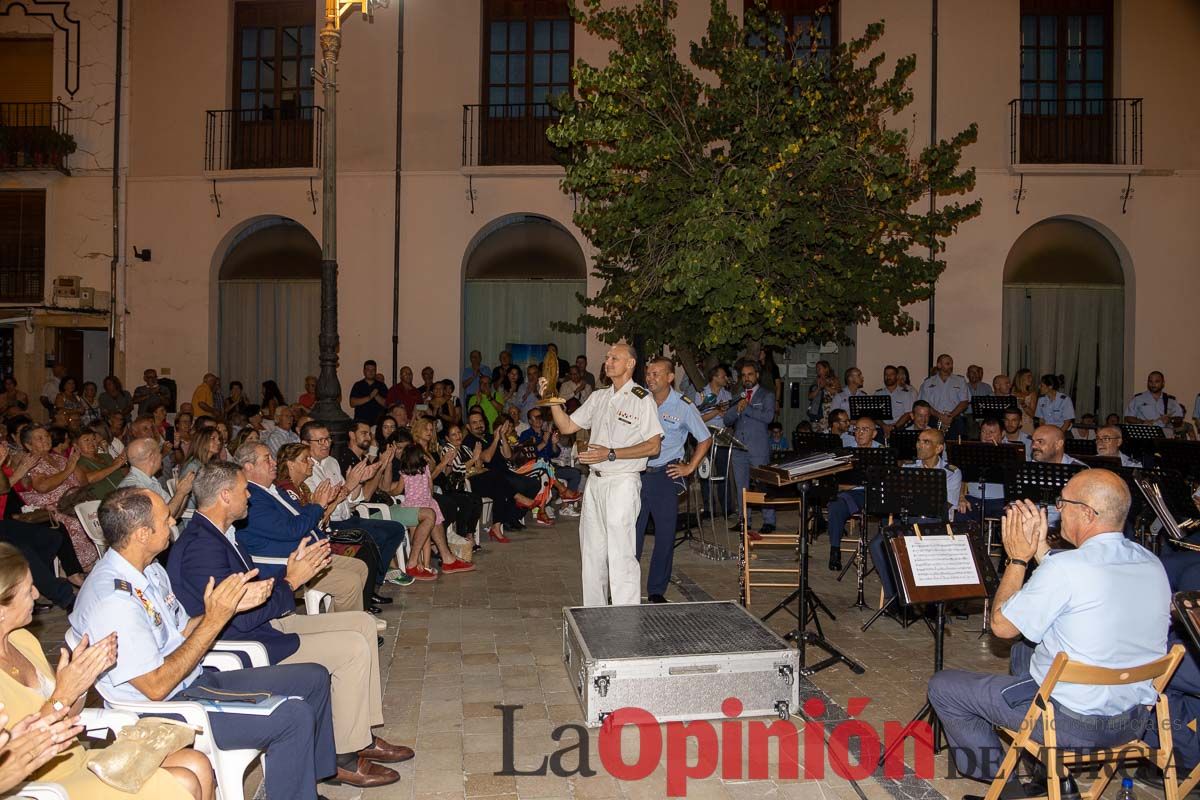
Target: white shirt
<point>1148,408</point>
<point>1106,603</point>
<point>578,390</point>
<point>1056,411</point>
<point>619,418</point>
<point>50,388</point>
<point>328,469</point>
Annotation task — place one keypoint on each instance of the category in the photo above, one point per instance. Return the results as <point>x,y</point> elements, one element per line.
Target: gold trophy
<point>550,373</point>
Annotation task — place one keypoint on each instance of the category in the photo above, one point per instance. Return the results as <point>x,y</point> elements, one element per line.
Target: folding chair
<point>1041,715</point>
<point>90,520</point>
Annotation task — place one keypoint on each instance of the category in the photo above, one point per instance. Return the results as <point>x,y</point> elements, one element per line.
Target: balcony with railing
<point>1098,131</point>
<point>511,134</point>
<point>35,136</point>
<point>263,138</point>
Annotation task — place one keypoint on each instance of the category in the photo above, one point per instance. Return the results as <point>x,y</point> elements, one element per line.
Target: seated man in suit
<point>274,527</point>
<point>847,503</point>
<point>342,642</point>
<point>129,593</point>
<point>1104,603</point>
<point>931,449</point>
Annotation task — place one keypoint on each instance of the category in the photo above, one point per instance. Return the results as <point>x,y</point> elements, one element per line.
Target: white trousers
<point>607,533</point>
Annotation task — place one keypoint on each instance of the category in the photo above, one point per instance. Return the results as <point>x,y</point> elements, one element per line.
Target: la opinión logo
<point>722,746</point>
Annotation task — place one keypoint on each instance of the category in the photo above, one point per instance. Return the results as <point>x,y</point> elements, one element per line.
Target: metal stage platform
<point>678,661</point>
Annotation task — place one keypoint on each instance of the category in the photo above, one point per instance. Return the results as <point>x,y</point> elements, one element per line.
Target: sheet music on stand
<point>938,562</point>
<point>798,468</point>
<point>876,406</point>
<point>1156,501</point>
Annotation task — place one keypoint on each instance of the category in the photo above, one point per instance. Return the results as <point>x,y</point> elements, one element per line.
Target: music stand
<point>815,442</point>
<point>804,595</point>
<point>1181,455</point>
<point>936,563</point>
<point>1140,440</point>
<point>1037,481</point>
<point>904,443</point>
<point>1079,447</point>
<point>1101,462</point>
<point>868,462</point>
<point>876,406</point>
<point>902,494</point>
<point>991,406</point>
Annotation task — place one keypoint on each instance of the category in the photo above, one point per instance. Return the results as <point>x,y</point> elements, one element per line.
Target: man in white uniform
<point>625,432</point>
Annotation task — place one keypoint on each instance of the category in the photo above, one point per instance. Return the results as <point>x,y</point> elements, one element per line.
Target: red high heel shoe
<point>498,537</point>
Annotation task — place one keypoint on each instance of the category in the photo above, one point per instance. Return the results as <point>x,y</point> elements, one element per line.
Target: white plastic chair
<point>229,765</point>
<point>315,601</point>
<point>90,520</point>
<point>364,510</point>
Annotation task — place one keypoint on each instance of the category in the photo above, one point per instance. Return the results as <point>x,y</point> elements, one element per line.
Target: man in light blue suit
<point>749,418</point>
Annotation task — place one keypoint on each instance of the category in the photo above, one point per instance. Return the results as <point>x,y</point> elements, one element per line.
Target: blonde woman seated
<point>28,686</point>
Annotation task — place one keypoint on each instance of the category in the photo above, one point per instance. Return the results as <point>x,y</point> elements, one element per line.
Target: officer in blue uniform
<point>848,502</point>
<point>980,496</point>
<point>931,449</point>
<point>753,410</point>
<point>665,477</point>
<point>160,648</point>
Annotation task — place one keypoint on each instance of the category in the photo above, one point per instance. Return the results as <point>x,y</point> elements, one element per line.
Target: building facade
<point>453,233</point>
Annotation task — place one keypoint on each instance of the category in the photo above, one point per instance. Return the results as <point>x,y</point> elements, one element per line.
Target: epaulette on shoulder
<point>687,399</point>
<point>122,586</point>
<point>951,468</point>
<point>639,392</point>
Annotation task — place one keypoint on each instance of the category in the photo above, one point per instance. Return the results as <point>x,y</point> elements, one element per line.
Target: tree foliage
<point>759,193</point>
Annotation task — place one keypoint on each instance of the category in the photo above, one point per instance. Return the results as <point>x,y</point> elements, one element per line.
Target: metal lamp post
<point>328,408</point>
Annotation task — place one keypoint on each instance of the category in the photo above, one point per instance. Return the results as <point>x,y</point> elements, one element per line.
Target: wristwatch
<point>1020,561</point>
<point>612,454</point>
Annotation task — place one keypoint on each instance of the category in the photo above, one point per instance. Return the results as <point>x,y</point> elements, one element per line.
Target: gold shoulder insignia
<point>639,392</point>
<point>687,399</point>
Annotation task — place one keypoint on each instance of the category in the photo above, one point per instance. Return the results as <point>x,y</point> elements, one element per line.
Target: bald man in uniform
<point>1106,603</point>
<point>625,433</point>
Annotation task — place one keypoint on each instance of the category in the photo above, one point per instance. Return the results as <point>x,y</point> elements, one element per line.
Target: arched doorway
<point>1064,311</point>
<point>268,312</point>
<point>522,273</point>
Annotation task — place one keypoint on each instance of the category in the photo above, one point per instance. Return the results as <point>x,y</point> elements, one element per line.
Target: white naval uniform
<point>612,495</point>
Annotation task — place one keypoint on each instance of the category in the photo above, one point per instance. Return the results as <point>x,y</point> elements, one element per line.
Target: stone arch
<point>1067,291</point>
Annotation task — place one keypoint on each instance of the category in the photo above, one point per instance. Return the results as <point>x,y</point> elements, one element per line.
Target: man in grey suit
<point>749,419</point>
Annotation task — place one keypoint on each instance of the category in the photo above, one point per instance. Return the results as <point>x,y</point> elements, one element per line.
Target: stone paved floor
<point>456,648</point>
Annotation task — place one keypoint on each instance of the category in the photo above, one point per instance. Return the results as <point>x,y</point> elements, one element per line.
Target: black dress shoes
<point>656,598</point>
<point>376,610</point>
<point>381,600</point>
<point>835,561</point>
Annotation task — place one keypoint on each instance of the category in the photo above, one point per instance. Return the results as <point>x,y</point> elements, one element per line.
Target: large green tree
<point>763,193</point>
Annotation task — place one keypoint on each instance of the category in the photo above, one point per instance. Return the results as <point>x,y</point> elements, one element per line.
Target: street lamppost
<point>328,409</point>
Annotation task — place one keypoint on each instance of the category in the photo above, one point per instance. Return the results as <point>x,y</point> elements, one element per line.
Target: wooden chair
<point>1041,714</point>
<point>778,539</point>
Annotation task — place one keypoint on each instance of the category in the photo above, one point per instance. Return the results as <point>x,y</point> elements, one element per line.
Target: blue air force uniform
<point>660,492</point>
<point>149,621</point>
<point>953,490</point>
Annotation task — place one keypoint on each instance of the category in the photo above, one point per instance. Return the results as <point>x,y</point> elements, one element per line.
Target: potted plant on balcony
<point>47,147</point>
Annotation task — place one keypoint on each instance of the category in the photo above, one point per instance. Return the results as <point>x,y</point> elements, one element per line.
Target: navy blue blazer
<point>269,529</point>
<point>202,552</point>
<point>750,426</point>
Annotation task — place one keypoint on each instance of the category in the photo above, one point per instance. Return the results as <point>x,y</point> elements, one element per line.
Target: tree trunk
<point>687,360</point>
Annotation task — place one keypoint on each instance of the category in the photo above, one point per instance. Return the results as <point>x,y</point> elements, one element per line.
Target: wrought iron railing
<point>512,134</point>
<point>262,138</point>
<point>35,136</point>
<point>1081,131</point>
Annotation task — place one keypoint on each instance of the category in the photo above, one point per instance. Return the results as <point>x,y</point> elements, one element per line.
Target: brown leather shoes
<point>366,774</point>
<point>388,753</point>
